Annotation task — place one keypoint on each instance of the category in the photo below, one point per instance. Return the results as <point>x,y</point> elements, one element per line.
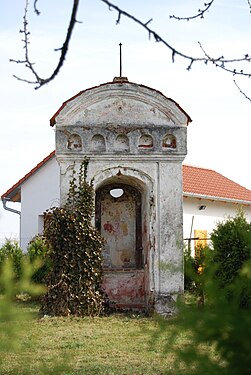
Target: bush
<point>218,335</point>
<point>75,252</point>
<point>194,267</point>
<point>224,322</point>
<point>37,251</point>
<point>189,269</point>
<point>231,249</point>
<point>11,251</point>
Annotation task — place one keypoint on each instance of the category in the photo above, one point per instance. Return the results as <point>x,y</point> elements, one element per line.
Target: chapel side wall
<point>40,192</point>
<point>170,219</point>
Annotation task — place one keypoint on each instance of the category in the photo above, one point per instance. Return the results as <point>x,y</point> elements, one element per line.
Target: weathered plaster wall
<point>170,228</point>
<point>134,135</point>
<point>125,287</point>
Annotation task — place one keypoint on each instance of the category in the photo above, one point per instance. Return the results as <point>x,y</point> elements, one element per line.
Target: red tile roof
<point>208,183</point>
<point>197,182</point>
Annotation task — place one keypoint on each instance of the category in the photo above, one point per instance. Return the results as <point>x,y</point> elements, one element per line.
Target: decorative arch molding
<point>131,176</point>
<point>123,98</point>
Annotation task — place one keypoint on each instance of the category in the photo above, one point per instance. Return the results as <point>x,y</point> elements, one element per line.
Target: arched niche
<point>121,143</point>
<point>127,284</point>
<point>74,142</point>
<point>169,142</point>
<point>145,141</point>
<point>98,143</point>
<point>118,218</point>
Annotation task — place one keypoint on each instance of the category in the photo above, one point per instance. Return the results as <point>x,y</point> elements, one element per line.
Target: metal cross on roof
<point>120,59</point>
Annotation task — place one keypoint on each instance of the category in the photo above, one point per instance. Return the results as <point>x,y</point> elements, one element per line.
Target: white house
<point>208,197</point>
<point>135,139</point>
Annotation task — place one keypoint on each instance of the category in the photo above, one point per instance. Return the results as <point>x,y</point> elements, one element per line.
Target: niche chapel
<point>136,140</point>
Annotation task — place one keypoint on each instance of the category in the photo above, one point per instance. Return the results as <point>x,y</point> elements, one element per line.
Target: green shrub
<point>218,335</point>
<point>15,319</point>
<point>75,252</point>
<point>231,249</point>
<point>37,250</point>
<point>194,267</point>
<point>189,269</point>
<point>10,250</point>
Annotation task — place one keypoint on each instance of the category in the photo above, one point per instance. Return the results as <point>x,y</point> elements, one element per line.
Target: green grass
<point>116,344</point>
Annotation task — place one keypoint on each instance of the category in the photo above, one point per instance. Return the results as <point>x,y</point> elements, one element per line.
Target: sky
<point>219,136</point>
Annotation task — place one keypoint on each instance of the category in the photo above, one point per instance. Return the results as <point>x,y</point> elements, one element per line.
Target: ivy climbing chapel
<point>135,139</point>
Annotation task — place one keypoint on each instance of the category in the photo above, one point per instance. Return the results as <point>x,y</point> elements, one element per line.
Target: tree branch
<point>200,13</point>
<point>219,62</point>
<point>38,80</point>
<point>35,7</point>
<point>249,4</point>
<point>242,92</point>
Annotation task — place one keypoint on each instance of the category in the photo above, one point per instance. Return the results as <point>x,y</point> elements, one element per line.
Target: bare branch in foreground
<point>200,13</point>
<point>219,62</point>
<point>228,65</point>
<point>38,80</point>
<point>249,4</point>
<point>35,7</point>
<point>242,92</point>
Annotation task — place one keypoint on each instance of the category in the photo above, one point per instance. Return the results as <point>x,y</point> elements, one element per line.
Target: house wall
<point>40,192</point>
<point>207,219</point>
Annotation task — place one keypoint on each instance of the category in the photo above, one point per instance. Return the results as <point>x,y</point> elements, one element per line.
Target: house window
<point>40,226</point>
<point>200,241</point>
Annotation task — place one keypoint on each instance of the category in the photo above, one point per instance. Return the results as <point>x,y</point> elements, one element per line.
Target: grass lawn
<point>116,344</point>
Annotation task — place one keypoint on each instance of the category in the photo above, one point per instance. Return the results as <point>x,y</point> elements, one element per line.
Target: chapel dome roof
<point>112,93</point>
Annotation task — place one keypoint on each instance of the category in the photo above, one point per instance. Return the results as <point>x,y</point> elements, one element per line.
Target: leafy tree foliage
<point>231,247</point>
<point>16,315</point>
<point>11,251</point>
<point>221,324</point>
<point>75,246</point>
<point>37,251</point>
<point>189,269</point>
